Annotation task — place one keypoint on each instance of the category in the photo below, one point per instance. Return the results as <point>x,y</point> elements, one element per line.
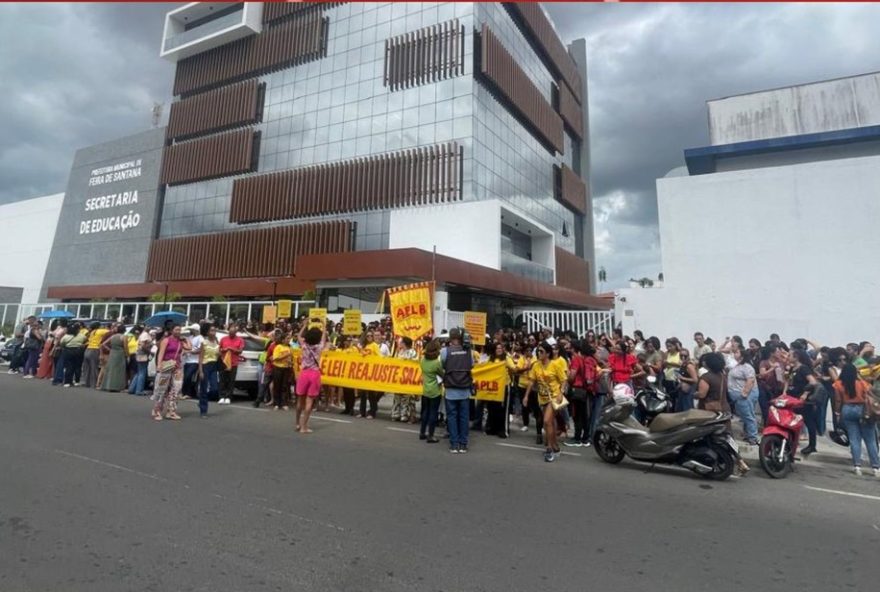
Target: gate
<point>579,321</point>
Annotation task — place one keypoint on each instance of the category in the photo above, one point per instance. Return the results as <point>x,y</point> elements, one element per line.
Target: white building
<point>27,229</point>
<point>774,227</point>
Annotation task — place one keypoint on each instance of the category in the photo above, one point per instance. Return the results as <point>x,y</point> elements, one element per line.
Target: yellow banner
<point>489,380</point>
<point>269,313</point>
<point>403,377</point>
<point>351,323</point>
<point>317,318</point>
<point>285,309</point>
<point>411,309</point>
<point>475,324</point>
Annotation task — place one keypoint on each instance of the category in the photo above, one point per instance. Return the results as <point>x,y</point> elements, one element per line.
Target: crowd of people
<point>559,381</point>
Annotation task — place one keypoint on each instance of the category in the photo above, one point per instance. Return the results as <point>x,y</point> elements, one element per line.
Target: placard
<point>351,323</point>
<point>285,308</point>
<point>475,324</point>
<point>318,313</point>
<point>269,313</point>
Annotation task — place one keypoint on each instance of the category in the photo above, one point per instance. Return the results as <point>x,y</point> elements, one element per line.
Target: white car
<point>248,376</point>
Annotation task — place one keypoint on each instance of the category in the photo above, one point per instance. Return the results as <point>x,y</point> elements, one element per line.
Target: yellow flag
<point>411,309</point>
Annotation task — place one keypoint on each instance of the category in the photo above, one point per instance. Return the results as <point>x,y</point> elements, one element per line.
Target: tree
<point>660,277</point>
<point>603,276</point>
<point>160,297</point>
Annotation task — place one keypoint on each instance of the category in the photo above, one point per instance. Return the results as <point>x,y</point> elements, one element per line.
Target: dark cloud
<point>77,74</point>
<point>651,69</point>
<point>73,75</point>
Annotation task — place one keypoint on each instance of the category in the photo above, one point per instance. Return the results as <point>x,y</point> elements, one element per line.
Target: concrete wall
<point>461,230</point>
<point>103,236</point>
<point>790,249</point>
<point>28,228</point>
<point>808,108</point>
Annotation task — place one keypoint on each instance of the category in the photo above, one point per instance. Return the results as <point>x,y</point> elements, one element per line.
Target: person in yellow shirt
<point>497,412</point>
<point>349,395</point>
<point>131,347</point>
<point>369,347</point>
<point>523,360</point>
<point>282,363</point>
<point>548,380</point>
<point>92,354</point>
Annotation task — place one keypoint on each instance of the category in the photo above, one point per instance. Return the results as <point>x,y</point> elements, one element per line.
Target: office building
<point>345,148</point>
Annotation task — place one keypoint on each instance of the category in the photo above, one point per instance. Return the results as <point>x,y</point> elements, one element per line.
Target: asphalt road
<point>95,496</point>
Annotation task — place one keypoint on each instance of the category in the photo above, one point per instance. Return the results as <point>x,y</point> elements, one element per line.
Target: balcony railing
<point>524,268</point>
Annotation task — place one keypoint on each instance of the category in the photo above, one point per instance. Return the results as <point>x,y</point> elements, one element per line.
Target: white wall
<point>808,108</point>
<point>470,231</point>
<point>27,230</point>
<point>793,250</point>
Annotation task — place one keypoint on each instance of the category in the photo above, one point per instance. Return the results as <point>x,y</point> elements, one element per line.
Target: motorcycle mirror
<point>652,379</point>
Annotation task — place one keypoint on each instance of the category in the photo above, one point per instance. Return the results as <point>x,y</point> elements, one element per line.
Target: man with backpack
<point>457,364</point>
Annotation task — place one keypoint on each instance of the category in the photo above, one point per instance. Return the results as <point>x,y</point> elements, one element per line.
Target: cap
<point>195,327</point>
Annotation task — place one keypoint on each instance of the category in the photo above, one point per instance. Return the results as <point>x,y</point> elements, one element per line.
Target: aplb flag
<point>411,309</point>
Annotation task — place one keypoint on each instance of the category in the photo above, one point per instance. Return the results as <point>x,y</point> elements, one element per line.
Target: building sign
<point>108,216</point>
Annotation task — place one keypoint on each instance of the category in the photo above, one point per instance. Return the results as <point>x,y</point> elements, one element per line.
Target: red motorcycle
<point>779,440</point>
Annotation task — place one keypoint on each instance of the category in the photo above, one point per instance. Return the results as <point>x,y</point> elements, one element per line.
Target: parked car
<point>247,378</point>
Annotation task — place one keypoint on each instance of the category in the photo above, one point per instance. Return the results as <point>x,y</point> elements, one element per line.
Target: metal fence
<point>138,311</point>
<point>579,321</point>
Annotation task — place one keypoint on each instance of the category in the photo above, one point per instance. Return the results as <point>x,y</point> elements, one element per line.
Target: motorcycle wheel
<point>768,452</point>
<point>724,463</point>
<point>607,448</point>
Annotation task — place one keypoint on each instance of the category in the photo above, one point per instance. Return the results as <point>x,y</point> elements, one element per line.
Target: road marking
<point>533,448</point>
<point>216,495</point>
<point>846,493</point>
<point>265,409</point>
<point>330,419</point>
<point>408,431</point>
<point>110,465</point>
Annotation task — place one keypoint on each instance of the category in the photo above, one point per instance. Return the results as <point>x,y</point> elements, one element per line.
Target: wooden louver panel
<point>424,56</point>
<point>571,271</point>
<point>216,110</point>
<point>539,31</point>
<point>517,91</point>
<point>571,112</point>
<point>221,155</point>
<point>261,252</point>
<point>275,11</point>
<point>416,177</point>
<point>570,190</point>
<point>298,40</point>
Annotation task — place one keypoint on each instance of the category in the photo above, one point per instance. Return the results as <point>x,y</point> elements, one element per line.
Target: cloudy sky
<point>77,74</point>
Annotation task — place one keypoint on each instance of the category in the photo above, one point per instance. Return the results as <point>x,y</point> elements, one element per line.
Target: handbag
<point>716,405</point>
<point>872,407</point>
<point>558,403</point>
<point>577,394</point>
<point>167,366</point>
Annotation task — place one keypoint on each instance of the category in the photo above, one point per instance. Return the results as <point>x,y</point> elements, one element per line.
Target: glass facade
<point>338,108</point>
